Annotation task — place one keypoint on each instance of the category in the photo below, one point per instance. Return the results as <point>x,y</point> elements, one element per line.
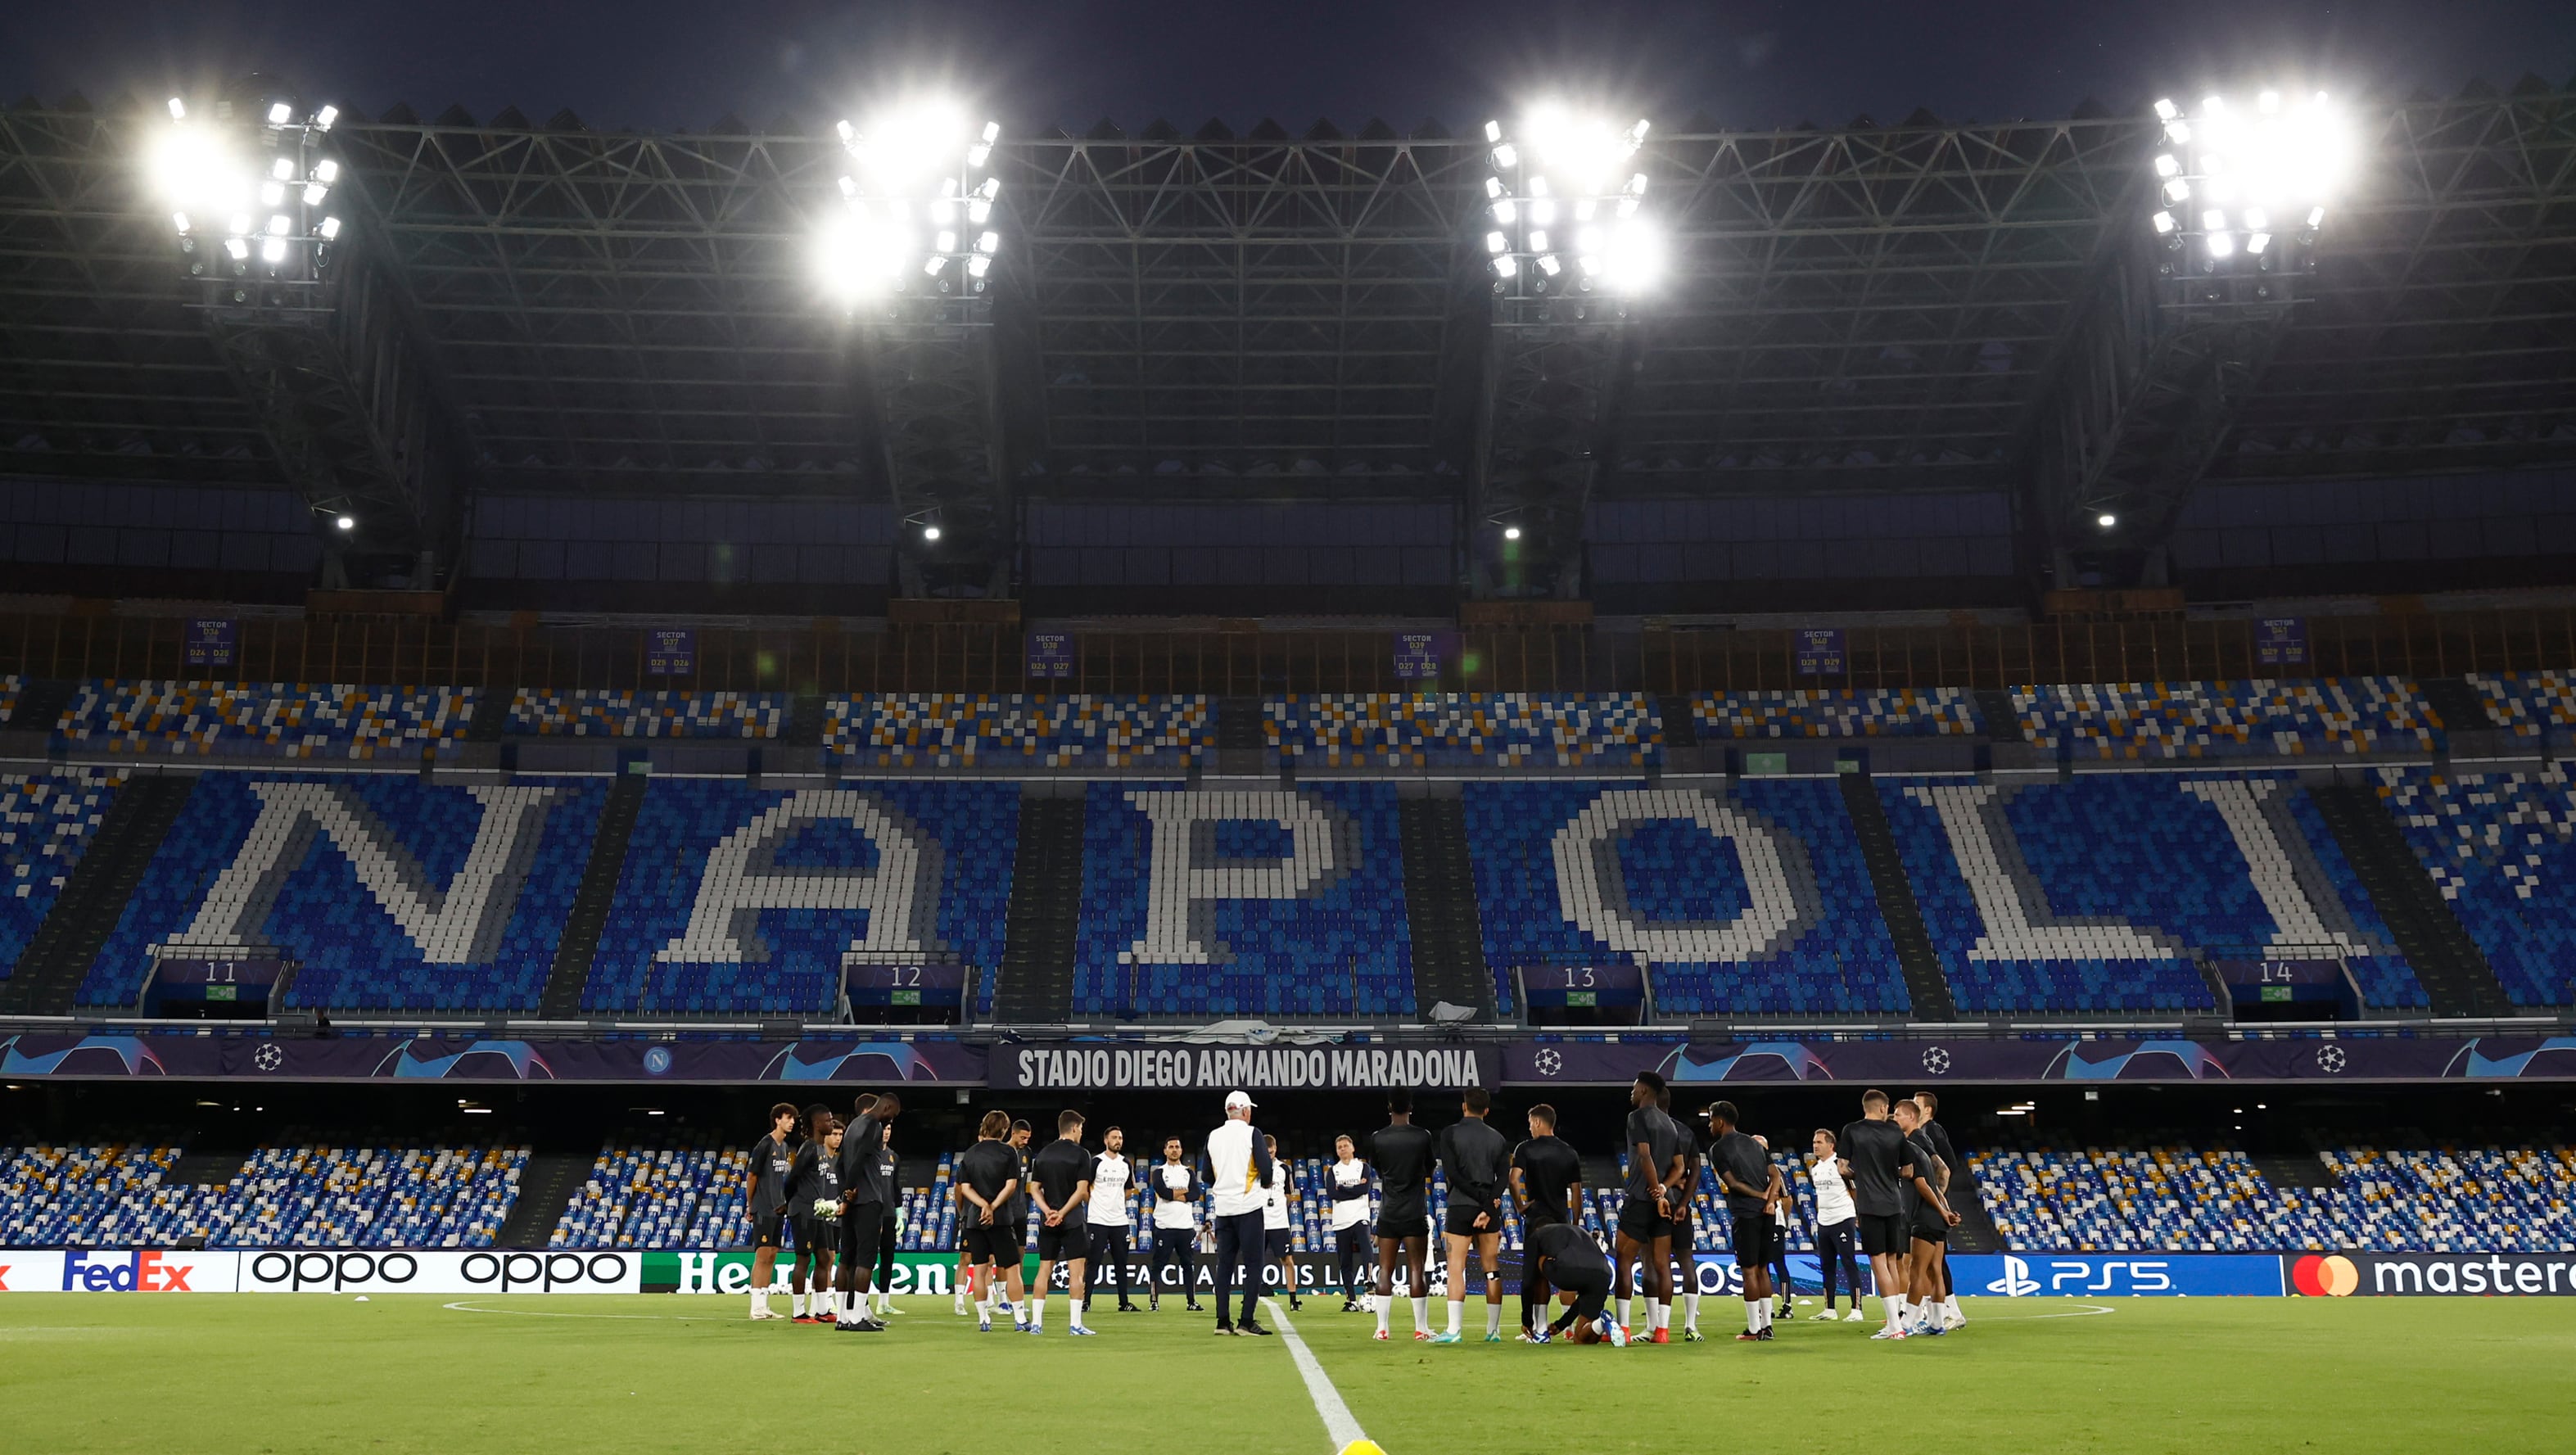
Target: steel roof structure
<point>1261,316</point>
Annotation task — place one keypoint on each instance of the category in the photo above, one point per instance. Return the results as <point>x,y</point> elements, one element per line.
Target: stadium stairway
<point>1440,904</point>
<point>41,702</point>
<point>805,721</point>
<point>2456,976</point>
<point>2003,721</point>
<point>546,1188</point>
<point>491,715</point>
<point>1036,982</point>
<point>1239,737</point>
<point>1925,985</point>
<point>591,902</point>
<point>2296,1169</point>
<point>203,1167</point>
<point>85,914</point>
<point>1976,1232</point>
<point>2456,703</point>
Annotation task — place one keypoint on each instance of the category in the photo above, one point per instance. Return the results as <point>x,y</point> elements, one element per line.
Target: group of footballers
<point>1881,1186</point>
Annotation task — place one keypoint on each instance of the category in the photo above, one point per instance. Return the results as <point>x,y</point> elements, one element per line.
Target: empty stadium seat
<point>1681,883</point>
<point>1342,947</point>
<point>394,1194</point>
<point>352,950</point>
<point>615,712</point>
<point>1594,730</point>
<point>47,821</point>
<point>971,828</point>
<point>2498,846</point>
<point>1838,712</point>
<point>271,719</point>
<point>1016,730</point>
<point>2146,720</point>
<point>2119,883</point>
<point>2528,704</point>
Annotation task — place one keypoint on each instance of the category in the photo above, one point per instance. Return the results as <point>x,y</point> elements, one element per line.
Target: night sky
<point>662,65</point>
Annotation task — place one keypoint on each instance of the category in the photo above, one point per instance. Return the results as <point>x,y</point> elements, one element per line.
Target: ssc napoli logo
<point>1937,1061</point>
<point>2330,1060</point>
<point>1548,1061</point>
<point>657,1061</point>
<point>268,1057</point>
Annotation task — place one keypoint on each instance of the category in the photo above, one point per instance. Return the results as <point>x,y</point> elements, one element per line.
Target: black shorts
<point>993,1244</point>
<point>1929,1228</point>
<point>1274,1242</point>
<point>1063,1241</point>
<point>1403,1222</point>
<point>1756,1240</point>
<point>817,1235</point>
<point>1882,1233</point>
<point>769,1230</point>
<point>1640,1223</point>
<point>1461,1220</point>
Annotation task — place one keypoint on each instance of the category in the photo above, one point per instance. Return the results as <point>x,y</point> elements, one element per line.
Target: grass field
<point>296,1373</point>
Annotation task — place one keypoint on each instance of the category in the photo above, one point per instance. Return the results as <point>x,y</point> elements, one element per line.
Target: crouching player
<point>1563,1258</point>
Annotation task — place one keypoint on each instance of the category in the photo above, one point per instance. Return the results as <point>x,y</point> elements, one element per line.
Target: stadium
<point>1933,744</point>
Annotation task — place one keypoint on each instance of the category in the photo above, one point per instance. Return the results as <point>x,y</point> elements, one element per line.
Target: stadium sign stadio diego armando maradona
<point>1084,1066</point>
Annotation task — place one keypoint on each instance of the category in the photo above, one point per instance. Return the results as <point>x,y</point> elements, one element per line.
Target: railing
<point>989,657</point>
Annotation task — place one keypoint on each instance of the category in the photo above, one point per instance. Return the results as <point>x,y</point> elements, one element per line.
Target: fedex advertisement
<point>117,1270</point>
<point>314,1270</point>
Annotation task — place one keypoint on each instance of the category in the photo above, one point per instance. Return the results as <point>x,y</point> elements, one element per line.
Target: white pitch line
<point>530,1313</point>
<point>1339,1426</point>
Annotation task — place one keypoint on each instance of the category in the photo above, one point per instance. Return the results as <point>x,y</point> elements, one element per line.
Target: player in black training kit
<point>865,1190</point>
<point>1928,1218</point>
<point>1870,1151</point>
<point>1753,1189</point>
<point>1685,1205</point>
<point>1402,1154</point>
<point>1645,1245</point>
<point>1477,1160</point>
<point>815,1237</point>
<point>1939,1138</point>
<point>771,1158</point>
<point>1060,1179</point>
<point>1561,1258</point>
<point>1547,1182</point>
<point>988,1177</point>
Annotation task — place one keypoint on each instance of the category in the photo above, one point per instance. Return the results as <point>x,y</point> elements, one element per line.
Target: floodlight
<point>1538,240</point>
<point>330,228</point>
<point>323,118</point>
<point>2248,164</point>
<point>326,171</point>
<point>1506,212</point>
<point>237,248</point>
<point>930,532</point>
<point>1548,264</point>
<point>1559,164</point>
<point>1497,244</point>
<point>346,522</point>
<point>271,193</point>
<point>314,192</point>
<point>2164,223</point>
<point>923,159</point>
<point>280,224</point>
<point>2255,243</point>
<point>273,250</point>
<point>1505,157</point>
<point>1507,266</point>
<point>179,220</point>
<point>1511,532</point>
<point>1542,210</point>
<point>178,109</point>
<point>2106,520</point>
<point>280,113</point>
<point>282,169</point>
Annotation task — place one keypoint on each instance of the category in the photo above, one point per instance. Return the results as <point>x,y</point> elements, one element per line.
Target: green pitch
<point>280,1374</point>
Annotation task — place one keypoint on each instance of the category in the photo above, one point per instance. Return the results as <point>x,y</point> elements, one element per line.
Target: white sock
<point>797,1302</point>
<point>760,1300</point>
<point>1895,1306</point>
<point>1422,1315</point>
<point>1753,1316</point>
<point>1457,1313</point>
<point>1379,1306</point>
<point>1951,1304</point>
<point>1663,1313</point>
<point>1493,1319</point>
<point>1074,1318</point>
<point>1037,1311</point>
<point>1690,1309</point>
<point>1623,1313</point>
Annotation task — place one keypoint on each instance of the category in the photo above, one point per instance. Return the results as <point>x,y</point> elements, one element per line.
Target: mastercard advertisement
<point>2438,1275</point>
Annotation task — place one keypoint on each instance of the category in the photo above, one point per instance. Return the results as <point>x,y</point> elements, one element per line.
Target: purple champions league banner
<point>1182,1065</point>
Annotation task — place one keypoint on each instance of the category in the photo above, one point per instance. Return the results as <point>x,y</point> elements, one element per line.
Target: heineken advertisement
<point>729,1271</point>
<point>1092,1065</point>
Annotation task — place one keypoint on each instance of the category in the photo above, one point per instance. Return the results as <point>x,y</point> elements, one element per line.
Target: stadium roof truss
<point>1923,307</point>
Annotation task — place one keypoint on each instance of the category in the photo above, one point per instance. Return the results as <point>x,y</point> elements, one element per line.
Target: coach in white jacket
<point>1238,1176</point>
<point>1836,1223</point>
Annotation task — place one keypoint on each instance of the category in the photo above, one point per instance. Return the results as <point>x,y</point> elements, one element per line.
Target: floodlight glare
<point>2249,163</point>
<point>930,532</point>
<point>179,220</point>
<point>924,159</point>
<point>346,522</point>
<point>178,109</point>
<point>323,118</point>
<point>1511,532</point>
<point>236,248</point>
<point>280,113</point>
<point>1580,165</point>
<point>271,193</point>
<point>330,228</point>
<point>2106,520</point>
<point>273,250</point>
<point>314,192</point>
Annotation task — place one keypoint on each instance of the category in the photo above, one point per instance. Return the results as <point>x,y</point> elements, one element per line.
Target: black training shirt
<point>1565,1246</point>
<point>770,1161</point>
<point>1875,1150</point>
<point>1921,1158</point>
<point>1058,1168</point>
<point>985,1167</point>
<point>1741,1157</point>
<point>1548,1168</point>
<point>1401,1153</point>
<point>1663,1138</point>
<point>1477,1158</point>
<point>859,1161</point>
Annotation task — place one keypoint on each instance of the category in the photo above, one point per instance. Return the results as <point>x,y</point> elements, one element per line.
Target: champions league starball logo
<point>2330,1060</point>
<point>1937,1061</point>
<point>1548,1062</point>
<point>268,1057</point>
